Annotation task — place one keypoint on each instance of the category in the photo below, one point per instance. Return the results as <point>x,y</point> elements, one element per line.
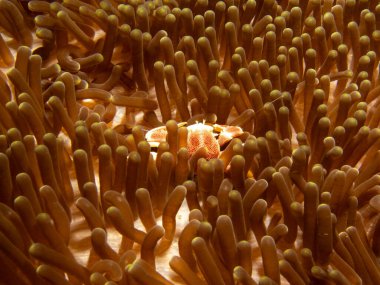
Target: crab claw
<point>228,133</point>
<point>156,135</point>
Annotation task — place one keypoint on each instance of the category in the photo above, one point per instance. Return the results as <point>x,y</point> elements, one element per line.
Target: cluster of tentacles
<point>86,199</point>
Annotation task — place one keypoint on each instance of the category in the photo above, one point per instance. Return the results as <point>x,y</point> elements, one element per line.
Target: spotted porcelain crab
<point>211,137</point>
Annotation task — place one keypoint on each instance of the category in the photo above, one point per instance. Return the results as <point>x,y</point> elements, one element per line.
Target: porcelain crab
<point>211,137</point>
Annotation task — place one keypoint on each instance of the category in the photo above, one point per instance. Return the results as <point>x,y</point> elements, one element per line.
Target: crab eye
<point>199,127</point>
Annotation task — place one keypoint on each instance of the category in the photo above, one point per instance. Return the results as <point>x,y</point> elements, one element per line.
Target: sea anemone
<point>189,142</point>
